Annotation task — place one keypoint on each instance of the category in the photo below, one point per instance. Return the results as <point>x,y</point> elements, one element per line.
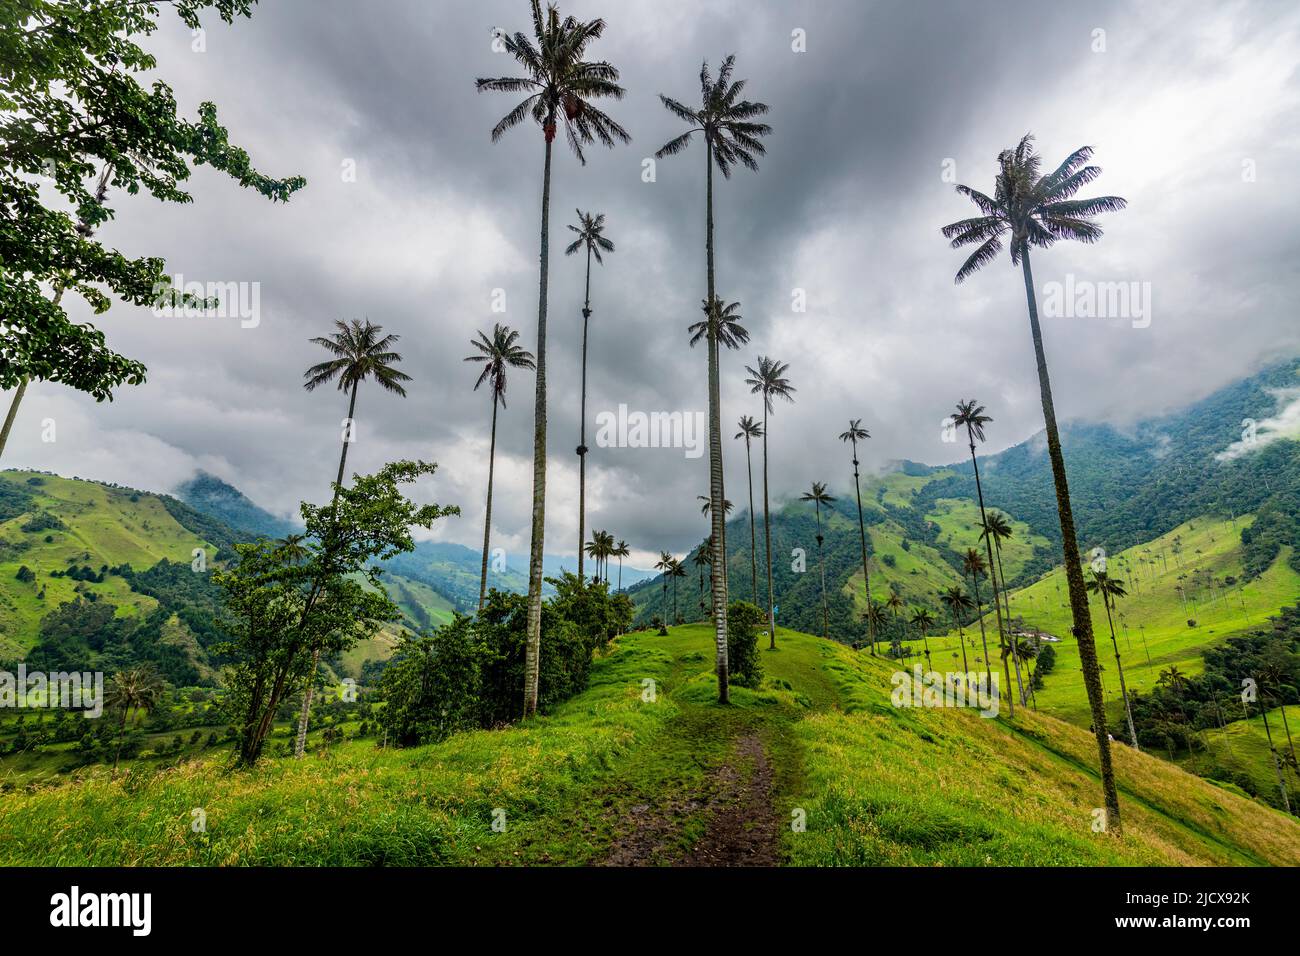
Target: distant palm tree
<point>497,354</point>
<point>855,434</point>
<point>819,497</point>
<point>590,230</point>
<point>972,563</point>
<point>132,690</point>
<point>750,429</point>
<point>1108,588</point>
<point>1273,677</point>
<point>360,352</point>
<point>769,381</point>
<point>702,558</point>
<point>923,620</point>
<point>676,570</point>
<point>998,529</point>
<point>665,564</point>
<point>875,616</point>
<point>1038,210</point>
<point>730,137</point>
<point>599,548</point>
<point>971,417</point>
<point>895,604</point>
<point>957,601</point>
<point>560,85</point>
<point>620,551</point>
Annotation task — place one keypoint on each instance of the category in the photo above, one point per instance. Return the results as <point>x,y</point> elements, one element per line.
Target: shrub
<point>433,686</point>
<point>744,622</point>
<point>25,574</point>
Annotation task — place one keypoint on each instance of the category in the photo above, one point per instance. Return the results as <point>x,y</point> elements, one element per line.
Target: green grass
<point>877,784</point>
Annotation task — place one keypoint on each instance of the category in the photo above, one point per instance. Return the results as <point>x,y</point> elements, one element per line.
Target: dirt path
<point>733,821</point>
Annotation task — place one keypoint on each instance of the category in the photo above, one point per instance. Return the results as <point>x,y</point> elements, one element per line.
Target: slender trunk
<point>349,434</point>
<point>979,613</point>
<point>487,520</point>
<point>862,536</point>
<point>821,564</point>
<point>993,581</point>
<point>582,428</point>
<point>717,510</point>
<point>1272,751</point>
<point>1011,636</point>
<point>961,639</point>
<point>1290,745</point>
<point>13,413</point>
<point>1073,566</point>
<point>121,732</point>
<point>620,572</point>
<point>533,645</point>
<point>767,538</point>
<point>753,540</point>
<point>1123,689</point>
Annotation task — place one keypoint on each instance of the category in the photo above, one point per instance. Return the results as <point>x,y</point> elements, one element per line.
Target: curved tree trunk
<point>19,392</point>
<point>862,536</point>
<point>533,645</point>
<point>993,580</point>
<point>1073,565</point>
<point>717,510</point>
<point>1128,710</point>
<point>487,520</point>
<point>582,428</point>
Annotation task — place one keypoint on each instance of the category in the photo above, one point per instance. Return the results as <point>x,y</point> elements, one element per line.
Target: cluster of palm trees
<point>600,549</point>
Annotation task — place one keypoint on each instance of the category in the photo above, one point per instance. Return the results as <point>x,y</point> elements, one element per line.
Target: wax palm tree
<point>855,434</point>
<point>702,558</point>
<point>769,381</point>
<point>1273,678</point>
<point>998,529</point>
<point>895,604</point>
<point>923,620</point>
<point>972,563</point>
<point>360,351</point>
<point>970,416</point>
<point>620,551</point>
<point>560,86</point>
<point>1108,588</point>
<point>1038,210</point>
<point>136,689</point>
<point>750,429</point>
<point>875,616</point>
<point>664,565</point>
<point>590,230</point>
<point>676,570</point>
<point>957,602</point>
<point>597,548</point>
<point>497,355</point>
<point>819,497</point>
<point>730,137</point>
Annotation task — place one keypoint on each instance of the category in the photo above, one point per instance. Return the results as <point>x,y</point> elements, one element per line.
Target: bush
<point>25,574</point>
<point>433,686</point>
<point>744,623</point>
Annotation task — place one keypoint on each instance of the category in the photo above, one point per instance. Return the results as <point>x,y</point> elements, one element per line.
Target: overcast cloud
<point>1191,107</point>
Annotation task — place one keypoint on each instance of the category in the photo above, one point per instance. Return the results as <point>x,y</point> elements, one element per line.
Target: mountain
<point>211,495</point>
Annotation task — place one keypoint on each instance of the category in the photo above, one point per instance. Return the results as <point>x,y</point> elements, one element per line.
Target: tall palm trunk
<point>717,513</point>
<point>961,639</point>
<point>862,537</point>
<point>767,538</point>
<point>620,572</point>
<point>753,546</point>
<point>979,613</point>
<point>304,716</point>
<point>582,441</point>
<point>821,564</point>
<point>1011,637</point>
<point>533,646</point>
<point>487,520</point>
<point>1073,566</point>
<point>1277,764</point>
<point>993,582</point>
<point>1123,689</point>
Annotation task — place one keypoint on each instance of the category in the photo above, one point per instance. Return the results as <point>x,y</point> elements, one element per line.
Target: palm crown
<point>559,82</point>
<point>590,230</point>
<point>1099,582</point>
<point>971,416</point>
<point>818,495</point>
<point>497,354</point>
<point>1035,210</point>
<point>360,352</point>
<point>749,428</point>
<point>997,526</point>
<point>725,120</point>
<point>725,320</point>
<point>770,381</point>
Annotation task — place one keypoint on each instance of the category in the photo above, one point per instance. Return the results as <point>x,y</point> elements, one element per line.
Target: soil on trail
<point>733,821</point>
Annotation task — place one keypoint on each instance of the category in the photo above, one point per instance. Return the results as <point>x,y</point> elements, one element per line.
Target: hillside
<point>619,776</point>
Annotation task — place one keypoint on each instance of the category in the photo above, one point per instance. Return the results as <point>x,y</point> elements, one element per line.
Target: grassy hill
<point>617,775</point>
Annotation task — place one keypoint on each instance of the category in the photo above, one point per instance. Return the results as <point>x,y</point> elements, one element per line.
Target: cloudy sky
<point>1192,110</point>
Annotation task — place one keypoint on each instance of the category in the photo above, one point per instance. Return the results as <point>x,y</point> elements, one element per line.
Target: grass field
<point>622,774</point>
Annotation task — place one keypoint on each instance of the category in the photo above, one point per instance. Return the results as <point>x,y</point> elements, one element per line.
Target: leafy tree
<point>591,237</point>
<point>433,687</point>
<point>744,621</point>
<point>498,354</point>
<point>561,85</point>
<point>1038,210</point>
<point>73,112</point>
